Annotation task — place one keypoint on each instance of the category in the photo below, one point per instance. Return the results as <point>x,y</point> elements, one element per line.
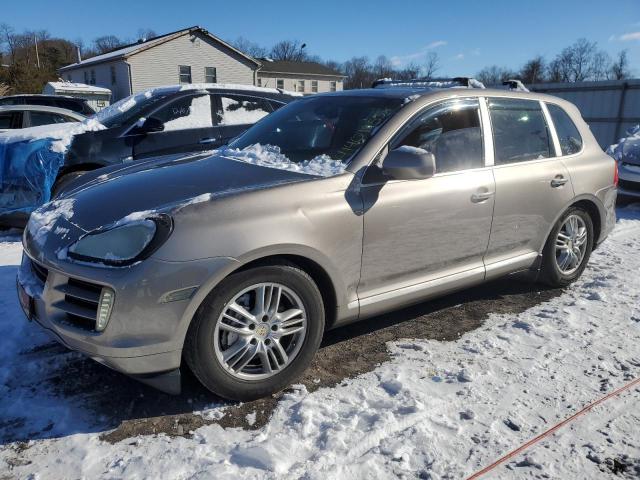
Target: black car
<point>167,120</point>
<point>79,105</point>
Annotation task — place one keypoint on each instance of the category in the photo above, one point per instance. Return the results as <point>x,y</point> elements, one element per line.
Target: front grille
<point>39,271</point>
<point>627,185</point>
<point>80,302</point>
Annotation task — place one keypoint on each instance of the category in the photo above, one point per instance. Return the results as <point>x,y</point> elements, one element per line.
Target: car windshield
<point>331,128</point>
<point>127,109</point>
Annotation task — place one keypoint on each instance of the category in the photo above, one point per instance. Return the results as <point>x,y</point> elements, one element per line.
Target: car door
<point>419,231</point>
<point>532,184</point>
<point>188,127</point>
<point>236,113</point>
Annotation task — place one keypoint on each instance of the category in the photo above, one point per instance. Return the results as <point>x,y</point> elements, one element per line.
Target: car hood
<point>165,185</point>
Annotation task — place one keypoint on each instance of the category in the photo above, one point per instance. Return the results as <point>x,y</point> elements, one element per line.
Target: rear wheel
<point>257,332</point>
<point>568,248</point>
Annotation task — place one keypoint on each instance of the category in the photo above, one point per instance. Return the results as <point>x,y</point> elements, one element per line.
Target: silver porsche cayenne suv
<point>336,208</point>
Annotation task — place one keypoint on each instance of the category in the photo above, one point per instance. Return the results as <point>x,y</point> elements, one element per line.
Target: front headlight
<point>123,244</point>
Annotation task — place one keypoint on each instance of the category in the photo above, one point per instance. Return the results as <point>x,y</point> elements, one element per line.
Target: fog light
<point>104,308</point>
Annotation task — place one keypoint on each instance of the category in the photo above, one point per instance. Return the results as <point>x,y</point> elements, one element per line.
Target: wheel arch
<point>592,205</point>
<point>307,259</point>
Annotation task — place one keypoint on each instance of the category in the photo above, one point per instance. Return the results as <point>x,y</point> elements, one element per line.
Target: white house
<point>191,55</point>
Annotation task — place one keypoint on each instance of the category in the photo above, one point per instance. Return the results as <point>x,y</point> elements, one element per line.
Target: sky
<point>467,35</point>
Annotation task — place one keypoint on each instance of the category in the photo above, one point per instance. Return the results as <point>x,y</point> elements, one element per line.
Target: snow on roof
<point>77,87</point>
<point>235,86</point>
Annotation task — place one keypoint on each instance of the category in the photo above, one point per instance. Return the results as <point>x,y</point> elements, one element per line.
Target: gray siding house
<point>192,55</point>
<point>301,77</point>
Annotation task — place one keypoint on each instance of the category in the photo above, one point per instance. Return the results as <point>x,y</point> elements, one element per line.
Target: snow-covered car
<point>24,116</point>
<point>38,163</point>
<point>627,154</point>
<point>333,209</point>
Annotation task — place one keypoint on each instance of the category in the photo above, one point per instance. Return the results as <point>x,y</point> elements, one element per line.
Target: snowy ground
<point>436,409</point>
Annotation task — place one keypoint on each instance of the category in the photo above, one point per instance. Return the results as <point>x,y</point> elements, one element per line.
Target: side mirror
<point>409,163</point>
<point>149,125</point>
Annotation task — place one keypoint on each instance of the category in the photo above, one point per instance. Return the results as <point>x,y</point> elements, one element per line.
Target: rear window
<point>520,131</point>
<point>10,120</point>
<point>570,139</point>
<point>74,105</point>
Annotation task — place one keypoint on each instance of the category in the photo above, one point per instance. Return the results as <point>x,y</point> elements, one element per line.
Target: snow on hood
<point>627,149</point>
<point>45,218</point>
<point>271,156</point>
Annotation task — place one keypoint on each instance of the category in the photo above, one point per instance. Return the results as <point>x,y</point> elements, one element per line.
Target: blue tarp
<point>28,169</point>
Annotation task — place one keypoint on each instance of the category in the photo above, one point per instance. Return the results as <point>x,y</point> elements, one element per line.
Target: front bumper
<point>629,179</point>
<point>144,335</point>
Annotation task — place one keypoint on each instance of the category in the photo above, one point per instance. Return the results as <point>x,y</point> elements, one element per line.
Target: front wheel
<point>256,333</point>
<point>568,248</point>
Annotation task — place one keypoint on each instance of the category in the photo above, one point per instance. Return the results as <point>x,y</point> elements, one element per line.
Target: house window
<point>210,75</point>
<point>113,75</point>
<point>280,84</point>
<point>69,77</point>
<point>93,77</point>
<point>184,73</point>
<point>259,82</point>
<point>300,86</point>
<point>332,86</point>
<point>314,85</point>
<point>86,77</point>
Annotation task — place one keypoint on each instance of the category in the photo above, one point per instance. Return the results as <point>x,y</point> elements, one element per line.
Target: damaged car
<point>336,208</point>
<point>36,164</point>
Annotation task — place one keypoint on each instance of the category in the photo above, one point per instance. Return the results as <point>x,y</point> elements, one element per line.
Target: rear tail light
<point>615,174</point>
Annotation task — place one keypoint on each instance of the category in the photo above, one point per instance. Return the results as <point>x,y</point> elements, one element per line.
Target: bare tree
<point>409,72</point>
<point>292,50</point>
<point>600,66</point>
<point>620,66</point>
<point>106,43</point>
<point>250,48</point>
<point>431,64</point>
<point>533,71</point>
<point>359,73</point>
<point>495,75</point>
<point>579,62</point>
<point>382,67</point>
<point>146,33</point>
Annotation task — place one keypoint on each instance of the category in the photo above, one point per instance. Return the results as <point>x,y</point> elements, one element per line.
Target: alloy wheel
<point>571,244</point>
<point>260,331</point>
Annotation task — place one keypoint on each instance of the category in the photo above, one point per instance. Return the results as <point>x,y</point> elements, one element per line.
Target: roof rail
<point>455,82</point>
<point>515,84</point>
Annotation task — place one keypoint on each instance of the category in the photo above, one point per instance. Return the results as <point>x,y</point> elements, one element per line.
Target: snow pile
<point>628,148</point>
<point>270,156</point>
<point>436,410</point>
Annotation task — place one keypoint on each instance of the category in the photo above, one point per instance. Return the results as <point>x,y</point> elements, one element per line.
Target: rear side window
<point>570,139</point>
<point>46,118</point>
<point>10,120</point>
<point>520,131</point>
<point>451,132</point>
<point>241,110</point>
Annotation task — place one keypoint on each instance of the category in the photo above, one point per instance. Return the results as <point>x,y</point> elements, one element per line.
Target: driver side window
<point>451,132</point>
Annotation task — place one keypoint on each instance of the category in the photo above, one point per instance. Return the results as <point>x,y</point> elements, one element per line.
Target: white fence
<point>609,107</point>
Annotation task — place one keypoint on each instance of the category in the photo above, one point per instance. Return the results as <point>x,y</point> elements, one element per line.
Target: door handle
<point>206,141</point>
<point>558,181</point>
<point>479,197</point>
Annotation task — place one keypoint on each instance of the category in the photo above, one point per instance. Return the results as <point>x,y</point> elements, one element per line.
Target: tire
<point>63,182</point>
<point>209,341</point>
<point>554,256</point>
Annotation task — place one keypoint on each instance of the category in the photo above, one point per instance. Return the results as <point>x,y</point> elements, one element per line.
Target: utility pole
<point>35,40</point>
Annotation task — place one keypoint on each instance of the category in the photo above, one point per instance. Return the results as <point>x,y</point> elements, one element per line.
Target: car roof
<point>42,95</point>
<point>41,108</point>
<point>424,92</point>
